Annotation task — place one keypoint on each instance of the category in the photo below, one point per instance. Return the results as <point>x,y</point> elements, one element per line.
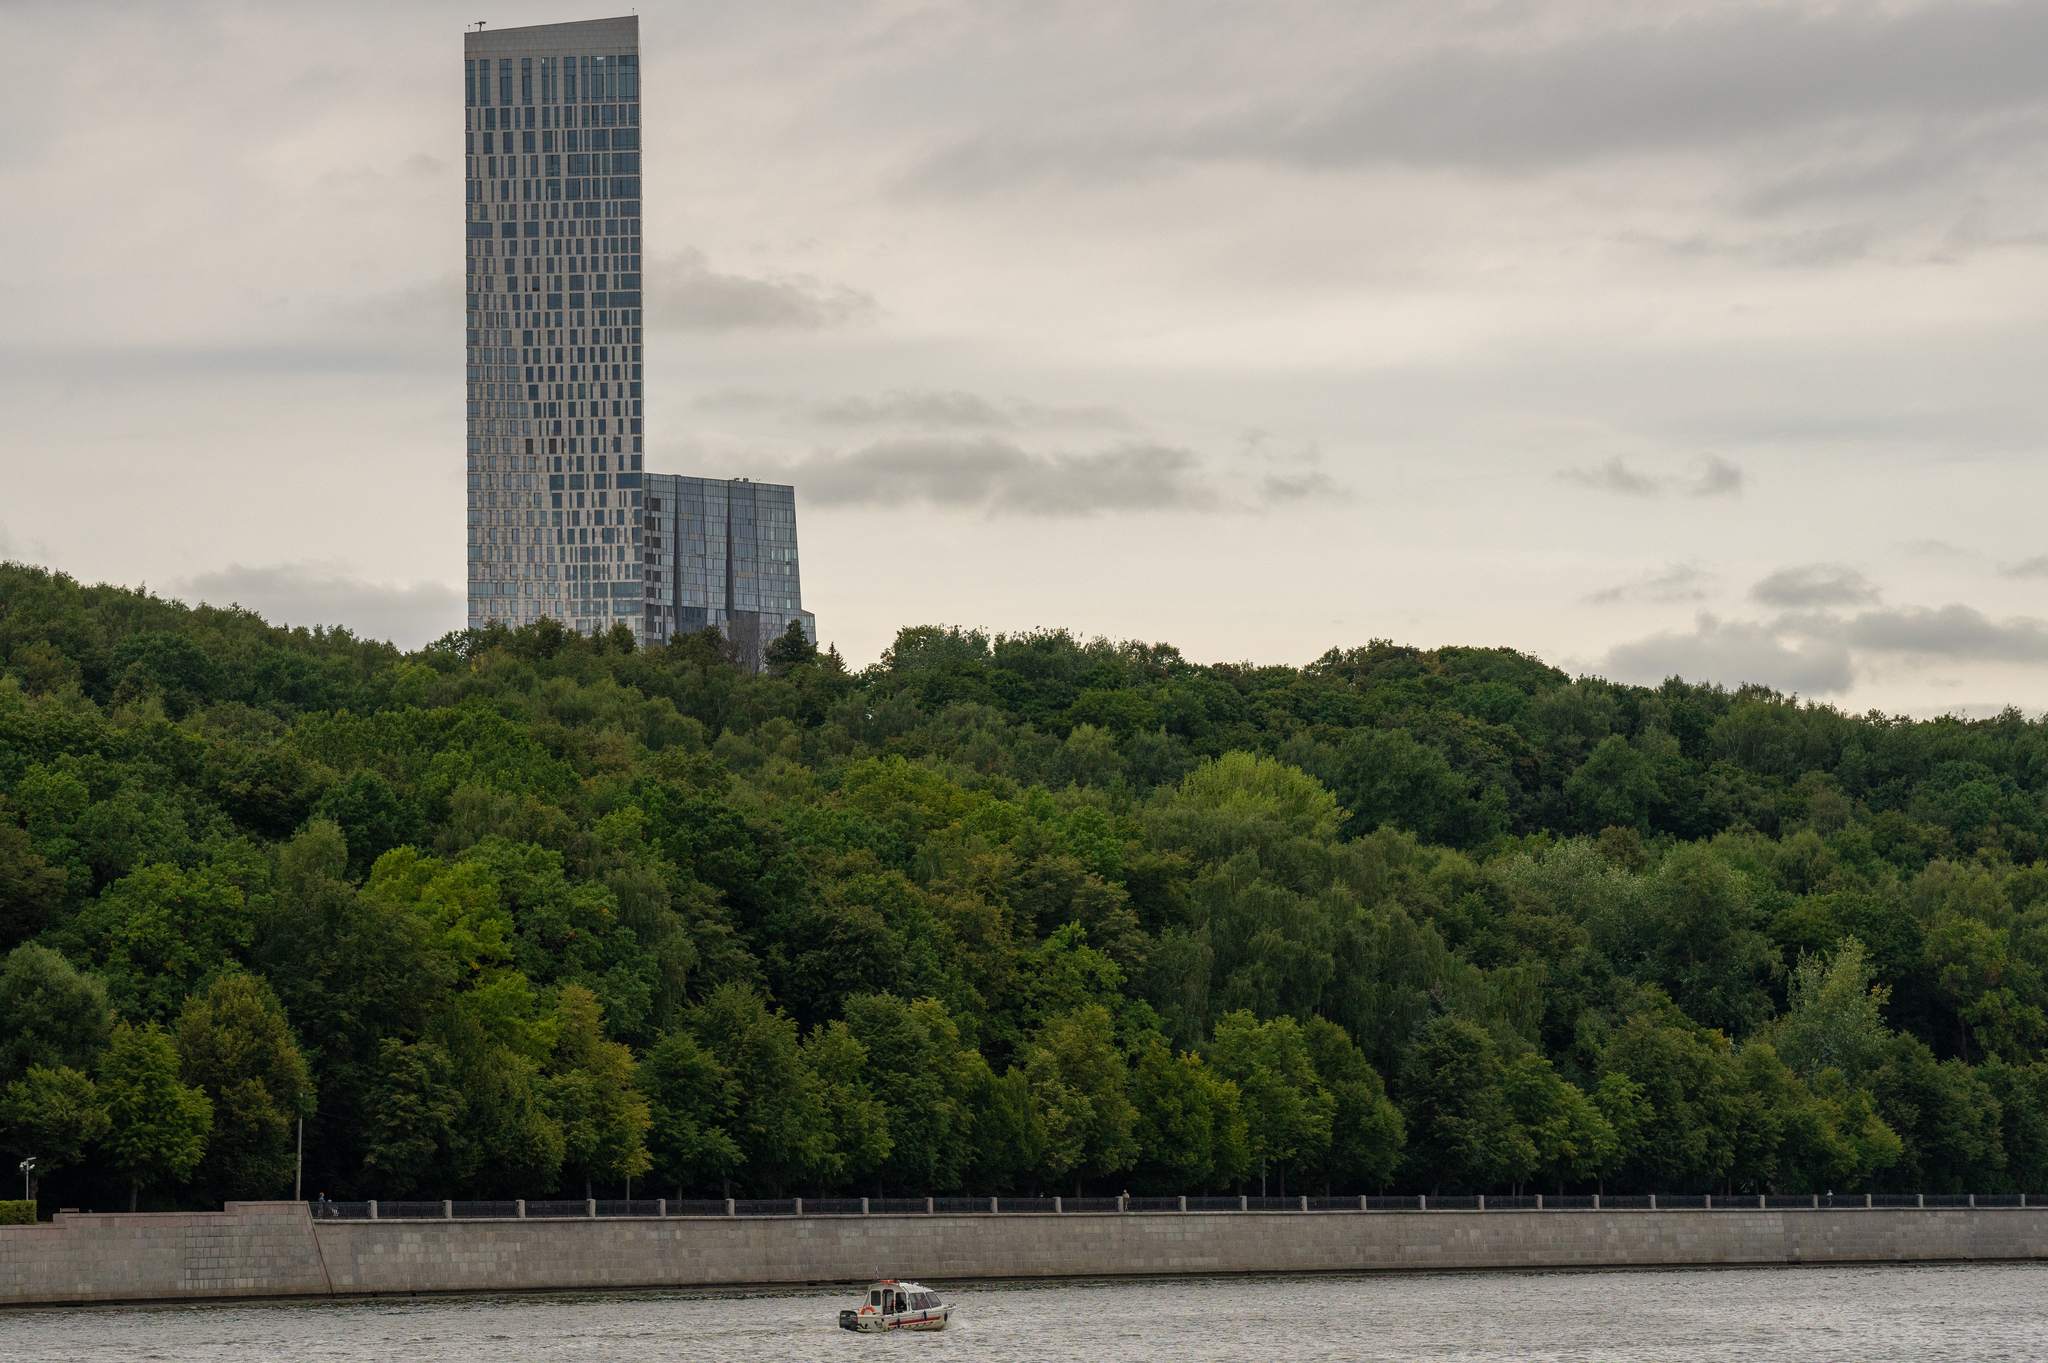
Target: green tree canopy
<point>1462,1131</point>
<point>54,1115</point>
<point>51,1015</point>
<point>235,1046</point>
<point>157,1126</point>
<point>604,1118</point>
<point>1080,1091</point>
<point>778,1113</point>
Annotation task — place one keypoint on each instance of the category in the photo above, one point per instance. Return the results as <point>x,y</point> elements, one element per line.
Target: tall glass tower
<point>551,133</point>
<point>564,520</point>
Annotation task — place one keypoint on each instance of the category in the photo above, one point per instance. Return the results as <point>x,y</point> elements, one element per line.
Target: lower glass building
<point>724,553</point>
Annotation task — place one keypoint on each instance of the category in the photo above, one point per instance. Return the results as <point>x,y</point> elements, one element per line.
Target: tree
<point>1079,1087</point>
<point>357,975</point>
<point>1703,943</point>
<point>1621,1103</point>
<point>55,1115</point>
<point>510,1141</point>
<point>790,650</point>
<point>1384,776</point>
<point>236,1047</point>
<point>1366,1130</point>
<point>1462,1130</point>
<point>1994,999</point>
<point>1949,1123</point>
<point>604,1117</point>
<point>1679,1077</point>
<point>415,1107</point>
<point>1288,1112</point>
<point>1834,1019</point>
<point>856,1125</point>
<point>1571,1138</point>
<point>924,1078</point>
<point>31,889</point>
<point>690,1101</point>
<point>778,1119</point>
<point>372,816</point>
<point>159,934</point>
<point>50,1014</point>
<point>169,665</point>
<point>465,917</point>
<point>1010,1149</point>
<point>1618,782</point>
<point>1191,1128</point>
<point>157,1127</point>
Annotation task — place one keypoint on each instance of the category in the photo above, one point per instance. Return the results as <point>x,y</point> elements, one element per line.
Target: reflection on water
<point>1959,1312</point>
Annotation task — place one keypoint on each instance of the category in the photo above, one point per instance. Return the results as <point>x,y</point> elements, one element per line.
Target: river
<point>1922,1312</point>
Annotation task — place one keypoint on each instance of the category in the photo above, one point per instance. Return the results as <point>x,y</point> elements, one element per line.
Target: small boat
<point>893,1305</point>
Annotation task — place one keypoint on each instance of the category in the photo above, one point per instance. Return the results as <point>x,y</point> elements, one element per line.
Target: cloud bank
<point>1000,477</point>
<point>312,594</point>
<point>686,294</point>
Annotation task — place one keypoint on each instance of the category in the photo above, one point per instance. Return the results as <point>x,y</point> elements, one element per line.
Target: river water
<point>1934,1312</point>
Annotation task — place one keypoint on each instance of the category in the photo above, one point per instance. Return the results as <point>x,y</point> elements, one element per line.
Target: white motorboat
<point>893,1305</point>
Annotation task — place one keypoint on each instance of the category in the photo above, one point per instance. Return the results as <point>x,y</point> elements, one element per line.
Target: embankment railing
<point>604,1209</point>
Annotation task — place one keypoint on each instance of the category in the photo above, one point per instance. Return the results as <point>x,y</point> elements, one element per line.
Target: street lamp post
<point>28,1167</point>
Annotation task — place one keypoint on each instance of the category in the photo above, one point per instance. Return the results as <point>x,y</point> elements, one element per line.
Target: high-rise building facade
<point>551,139</point>
<point>564,519</point>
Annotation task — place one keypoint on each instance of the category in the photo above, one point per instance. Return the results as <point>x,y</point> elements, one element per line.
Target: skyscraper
<point>560,518</point>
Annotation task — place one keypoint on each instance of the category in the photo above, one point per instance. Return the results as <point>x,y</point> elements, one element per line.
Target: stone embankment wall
<point>275,1249</point>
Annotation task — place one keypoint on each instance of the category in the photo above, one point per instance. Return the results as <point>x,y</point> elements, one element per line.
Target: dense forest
<point>524,912</point>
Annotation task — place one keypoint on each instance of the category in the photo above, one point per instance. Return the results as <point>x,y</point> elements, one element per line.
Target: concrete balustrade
<point>276,1249</point>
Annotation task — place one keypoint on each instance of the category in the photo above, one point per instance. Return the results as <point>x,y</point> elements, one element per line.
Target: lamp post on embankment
<point>28,1167</point>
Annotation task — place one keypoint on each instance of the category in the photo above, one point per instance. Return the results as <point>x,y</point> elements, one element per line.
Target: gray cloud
<point>1712,476</point>
<point>1952,631</point>
<point>17,551</point>
<point>740,400</point>
<point>1677,582</point>
<point>960,411</point>
<point>1612,476</point>
<point>1733,652</point>
<point>1819,651</point>
<point>1311,486</point>
<point>421,305</point>
<point>1716,478</point>
<point>914,409</point>
<point>147,364</point>
<point>1504,99</point>
<point>2028,567</point>
<point>1000,477</point>
<point>1814,584</point>
<point>318,594</point>
<point>687,294</point>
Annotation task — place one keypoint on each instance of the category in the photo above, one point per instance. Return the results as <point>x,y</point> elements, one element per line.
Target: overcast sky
<point>1703,338</point>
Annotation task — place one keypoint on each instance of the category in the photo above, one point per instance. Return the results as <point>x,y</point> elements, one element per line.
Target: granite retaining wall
<point>275,1249</point>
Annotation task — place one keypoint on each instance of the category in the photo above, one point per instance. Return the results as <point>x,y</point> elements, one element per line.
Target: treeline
<point>527,912</point>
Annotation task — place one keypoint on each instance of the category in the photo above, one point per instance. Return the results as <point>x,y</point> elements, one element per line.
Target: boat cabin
<point>891,1304</point>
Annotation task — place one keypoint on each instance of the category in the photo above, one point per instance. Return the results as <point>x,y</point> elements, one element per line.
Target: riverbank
<point>276,1249</point>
